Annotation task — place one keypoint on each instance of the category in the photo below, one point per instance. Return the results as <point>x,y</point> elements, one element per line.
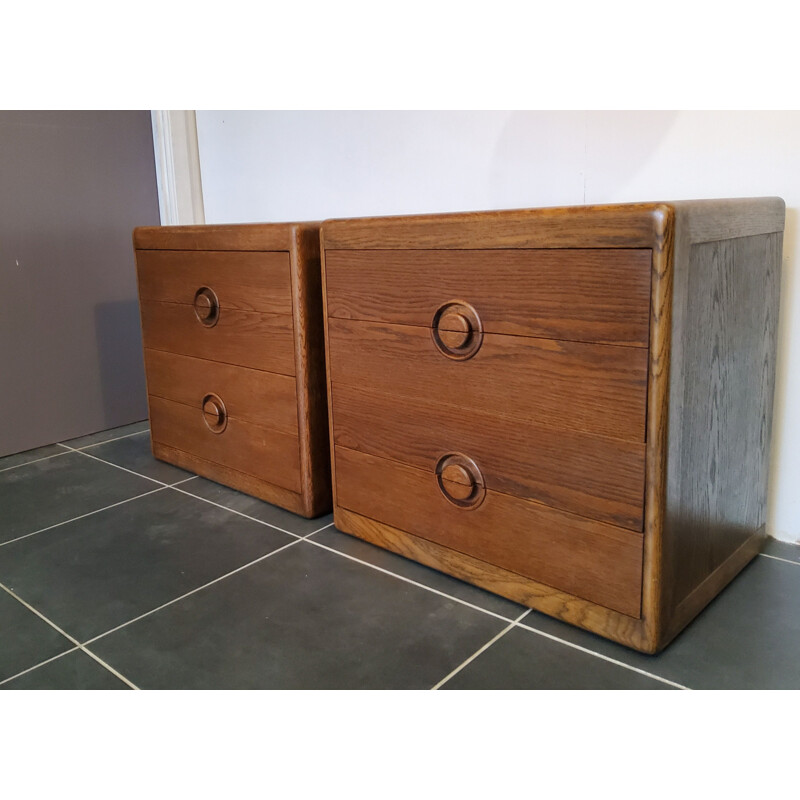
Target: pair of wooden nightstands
<point>569,407</point>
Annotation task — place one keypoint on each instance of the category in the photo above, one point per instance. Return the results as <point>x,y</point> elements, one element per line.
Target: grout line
<point>88,514</point>
<point>40,664</point>
<point>778,558</point>
<point>500,616</point>
<point>41,616</point>
<point>480,650</point>
<point>33,461</point>
<point>604,657</point>
<point>184,480</point>
<point>108,667</point>
<point>409,580</point>
<point>139,474</point>
<point>241,514</point>
<point>106,441</point>
<point>297,539</point>
<point>188,594</point>
<point>111,464</point>
<point>319,530</point>
<point>79,646</point>
<point>84,647</point>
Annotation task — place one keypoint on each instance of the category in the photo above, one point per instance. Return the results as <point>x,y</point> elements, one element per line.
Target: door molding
<point>177,154</point>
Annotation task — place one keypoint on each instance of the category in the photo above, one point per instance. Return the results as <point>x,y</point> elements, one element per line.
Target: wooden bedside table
<point>233,346</point>
<point>570,407</point>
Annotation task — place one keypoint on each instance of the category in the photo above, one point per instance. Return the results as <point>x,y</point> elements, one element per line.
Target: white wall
<point>283,166</point>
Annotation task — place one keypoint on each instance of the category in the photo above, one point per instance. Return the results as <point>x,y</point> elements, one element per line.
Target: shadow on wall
<point>120,362</point>
<point>546,158</point>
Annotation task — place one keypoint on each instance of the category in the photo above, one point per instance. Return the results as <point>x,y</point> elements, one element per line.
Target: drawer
<point>576,386</point>
<point>589,475</point>
<point>247,338</point>
<point>243,281</point>
<point>270,455</point>
<point>251,395</point>
<point>590,295</point>
<point>591,560</point>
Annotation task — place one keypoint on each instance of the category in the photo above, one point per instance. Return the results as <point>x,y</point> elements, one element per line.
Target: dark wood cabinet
<point>570,407</point>
<point>233,344</point>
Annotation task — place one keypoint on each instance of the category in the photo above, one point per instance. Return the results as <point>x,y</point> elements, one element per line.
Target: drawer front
<point>251,395</point>
<point>596,295</point>
<point>575,386</point>
<point>243,281</point>
<point>270,455</point>
<point>247,338</point>
<point>597,562</point>
<point>593,476</point>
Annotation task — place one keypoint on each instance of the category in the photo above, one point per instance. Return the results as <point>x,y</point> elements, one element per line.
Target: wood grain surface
<point>626,225</point>
<point>246,338</point>
<point>734,218</point>
<point>266,454</point>
<point>705,380</point>
<point>251,395</point>
<point>258,236</point>
<point>592,560</point>
<point>243,281</point>
<point>658,378</point>
<point>583,295</point>
<point>576,386</point>
<point>269,492</point>
<point>698,289</point>
<point>592,476</point>
<point>582,613</point>
<point>261,354</point>
<point>721,405</point>
<point>309,353</point>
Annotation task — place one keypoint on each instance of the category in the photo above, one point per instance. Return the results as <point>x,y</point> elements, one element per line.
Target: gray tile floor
<point>118,571</point>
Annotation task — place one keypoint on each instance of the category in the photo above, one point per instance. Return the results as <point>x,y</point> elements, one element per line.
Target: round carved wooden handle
<point>460,480</point>
<point>214,413</point>
<point>457,330</point>
<point>206,306</point>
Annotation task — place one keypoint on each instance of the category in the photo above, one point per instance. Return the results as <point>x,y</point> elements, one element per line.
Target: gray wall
<point>73,185</point>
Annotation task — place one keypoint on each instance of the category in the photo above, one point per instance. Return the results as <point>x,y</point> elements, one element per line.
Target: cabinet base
<point>638,634</point>
<point>291,501</point>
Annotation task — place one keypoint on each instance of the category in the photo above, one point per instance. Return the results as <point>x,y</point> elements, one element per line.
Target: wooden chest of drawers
<point>233,346</point>
<point>569,407</point>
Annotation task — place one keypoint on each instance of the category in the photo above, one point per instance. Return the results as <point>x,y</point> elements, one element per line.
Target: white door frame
<point>180,188</point>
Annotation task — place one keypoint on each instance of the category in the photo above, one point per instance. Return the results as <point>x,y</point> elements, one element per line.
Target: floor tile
<point>253,507</point>
<point>134,453</point>
<point>7,462</point>
<point>75,670</point>
<point>304,618</point>
<point>92,574</point>
<point>524,660</point>
<point>358,548</point>
<point>111,433</point>
<point>44,493</point>
<point>747,638</point>
<point>25,639</point>
<point>782,550</point>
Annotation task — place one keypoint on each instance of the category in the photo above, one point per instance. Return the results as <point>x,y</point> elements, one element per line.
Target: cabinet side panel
<point>309,342</point>
<point>720,416</point>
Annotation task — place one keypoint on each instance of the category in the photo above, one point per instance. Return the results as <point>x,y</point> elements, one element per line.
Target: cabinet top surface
<point>245,236</point>
<point>622,225</point>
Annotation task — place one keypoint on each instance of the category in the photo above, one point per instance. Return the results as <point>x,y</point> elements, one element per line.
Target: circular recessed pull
<point>214,413</point>
<point>457,330</point>
<point>206,306</point>
<point>460,480</point>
